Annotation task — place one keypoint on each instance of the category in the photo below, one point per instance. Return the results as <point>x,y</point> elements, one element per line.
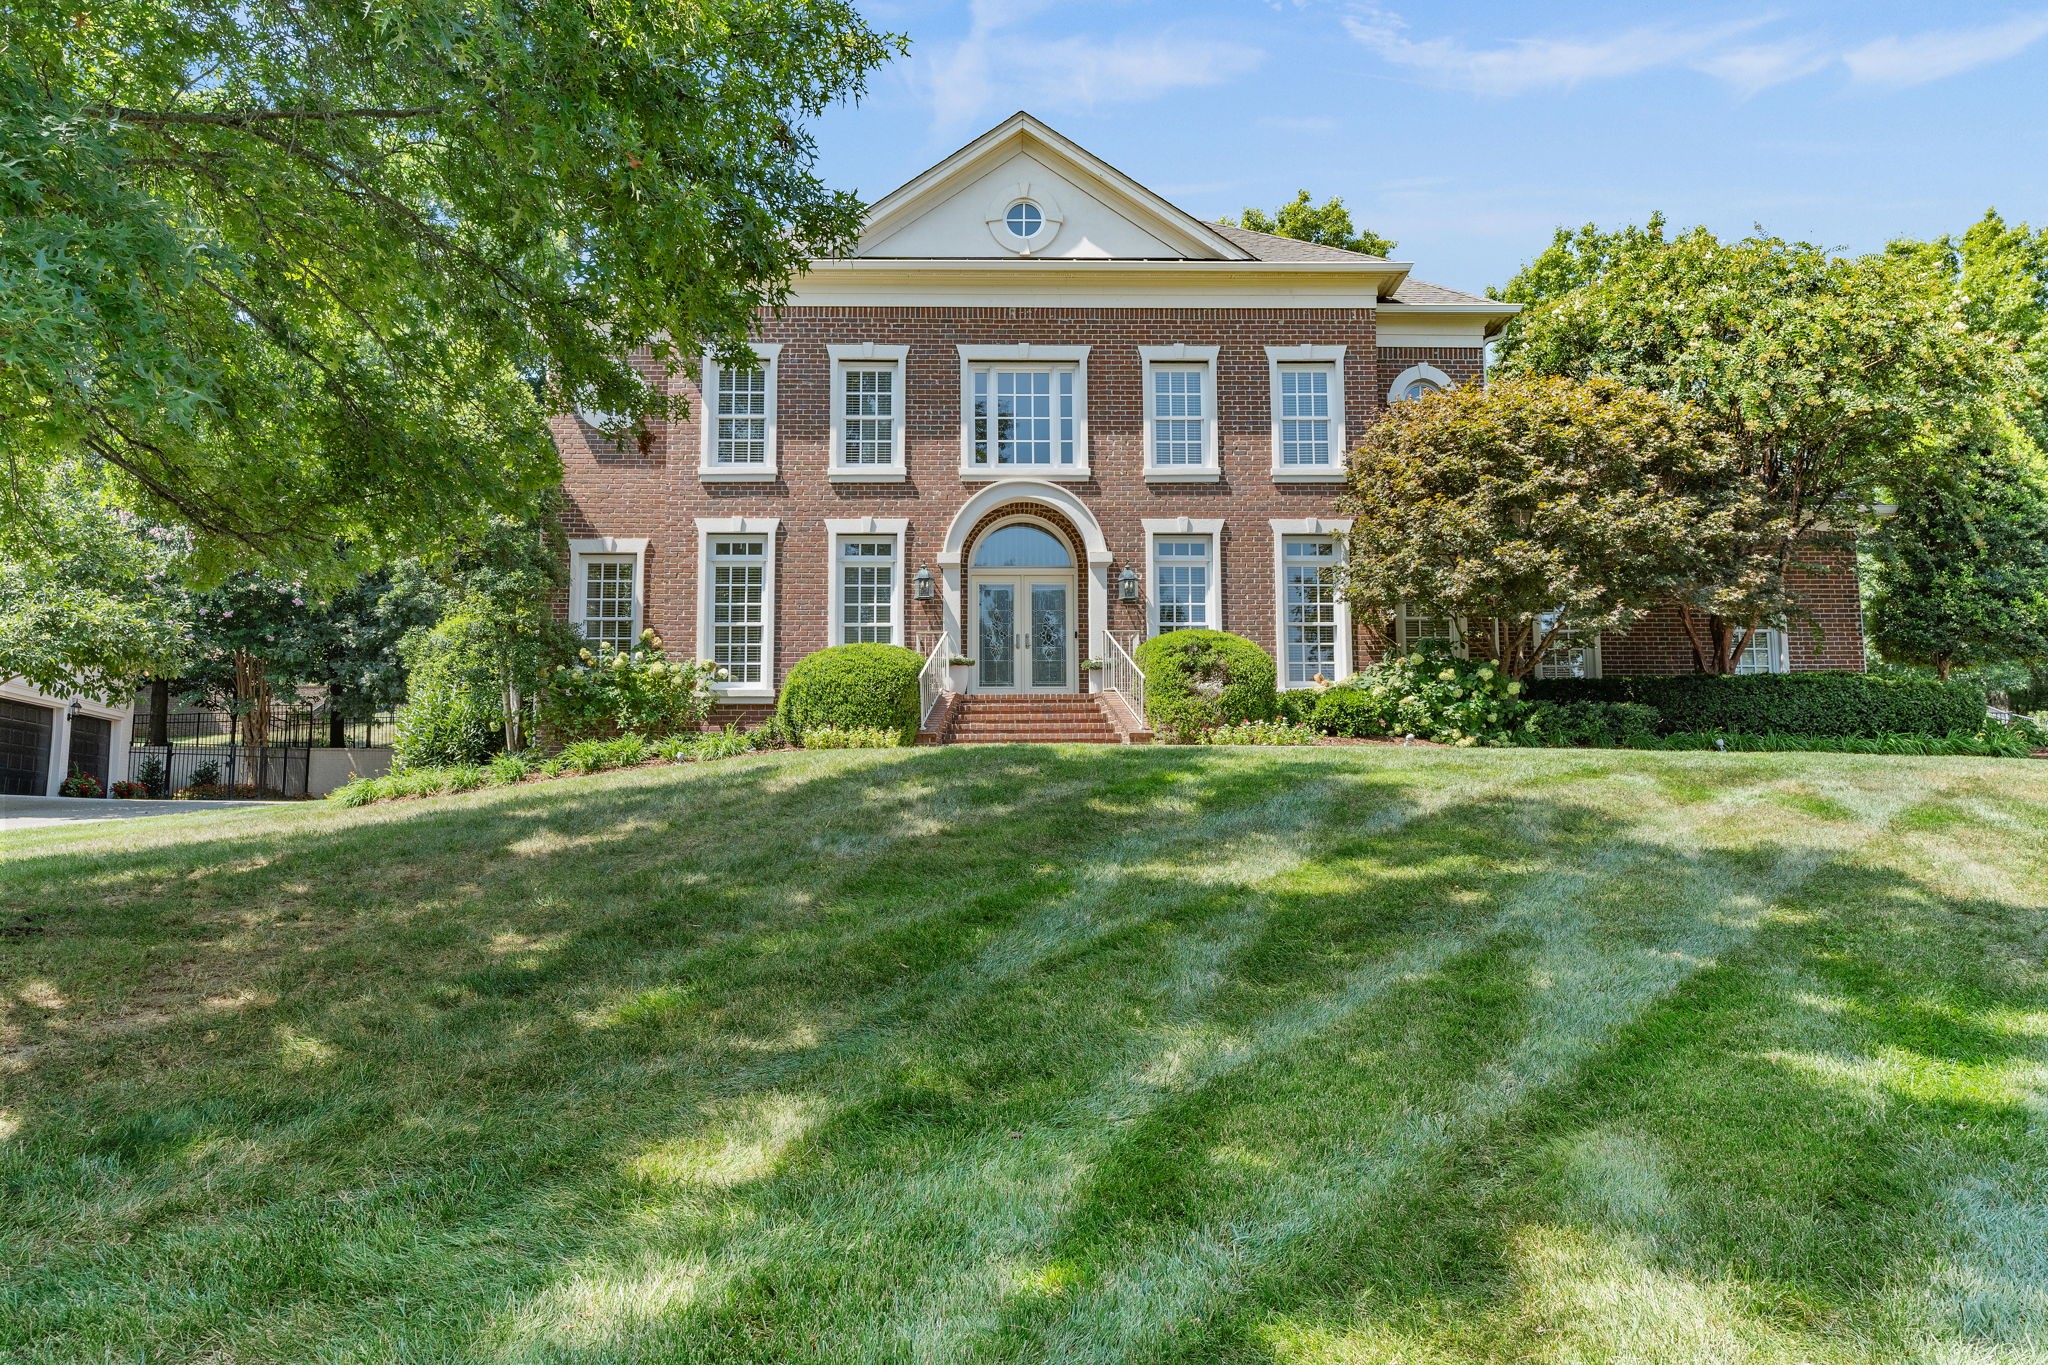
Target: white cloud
<point>1759,66</point>
<point>1521,65</point>
<point>1932,56</point>
<point>997,65</point>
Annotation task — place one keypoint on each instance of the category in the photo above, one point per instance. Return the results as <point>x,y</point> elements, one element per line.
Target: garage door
<point>92,746</point>
<point>24,749</point>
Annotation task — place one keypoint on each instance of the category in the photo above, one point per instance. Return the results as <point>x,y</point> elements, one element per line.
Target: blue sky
<point>1467,131</point>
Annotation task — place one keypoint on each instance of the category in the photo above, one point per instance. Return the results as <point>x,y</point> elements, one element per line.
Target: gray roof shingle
<point>1265,246</point>
<point>1413,290</point>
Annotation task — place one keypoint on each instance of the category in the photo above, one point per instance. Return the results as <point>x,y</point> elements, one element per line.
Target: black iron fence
<point>184,749</point>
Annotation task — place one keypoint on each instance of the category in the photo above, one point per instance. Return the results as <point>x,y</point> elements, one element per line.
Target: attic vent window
<point>1023,219</point>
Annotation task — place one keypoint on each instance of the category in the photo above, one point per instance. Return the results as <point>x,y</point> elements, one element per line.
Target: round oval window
<point>1024,219</point>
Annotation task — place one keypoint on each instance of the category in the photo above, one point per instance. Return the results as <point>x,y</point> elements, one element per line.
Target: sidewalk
<point>31,812</point>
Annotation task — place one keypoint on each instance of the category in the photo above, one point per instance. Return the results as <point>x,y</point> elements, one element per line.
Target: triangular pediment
<point>1081,207</point>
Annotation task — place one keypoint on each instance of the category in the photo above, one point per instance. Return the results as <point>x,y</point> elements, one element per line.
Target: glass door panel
<point>1050,634</point>
<point>996,613</point>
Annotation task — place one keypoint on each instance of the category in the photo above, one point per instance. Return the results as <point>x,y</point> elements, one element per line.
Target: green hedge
<point>853,687</point>
<point>1196,680</point>
<point>1840,705</point>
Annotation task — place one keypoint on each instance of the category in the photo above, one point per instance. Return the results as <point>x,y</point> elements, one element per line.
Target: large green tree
<point>1546,505</point>
<point>307,274</point>
<point>92,600</point>
<point>1822,372</point>
<point>1960,571</point>
<point>1328,223</point>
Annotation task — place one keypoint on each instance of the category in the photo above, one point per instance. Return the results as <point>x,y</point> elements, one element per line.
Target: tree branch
<point>242,118</point>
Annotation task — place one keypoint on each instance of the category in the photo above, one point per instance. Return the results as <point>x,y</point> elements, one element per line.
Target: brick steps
<point>1061,719</point>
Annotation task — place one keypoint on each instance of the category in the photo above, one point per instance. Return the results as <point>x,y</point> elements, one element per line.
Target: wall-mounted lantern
<point>74,709</point>
<point>924,584</point>
<point>1127,585</point>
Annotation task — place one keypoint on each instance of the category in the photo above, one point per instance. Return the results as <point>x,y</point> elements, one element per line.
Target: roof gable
<point>1092,211</point>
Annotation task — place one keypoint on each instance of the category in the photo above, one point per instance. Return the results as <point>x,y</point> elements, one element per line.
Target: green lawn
<point>1044,1054</point>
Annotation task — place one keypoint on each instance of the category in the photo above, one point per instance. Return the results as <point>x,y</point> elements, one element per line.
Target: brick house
<point>1041,413</point>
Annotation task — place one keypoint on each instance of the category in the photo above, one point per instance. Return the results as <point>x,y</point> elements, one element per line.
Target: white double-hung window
<point>1186,583</point>
<point>1180,413</point>
<point>1765,653</point>
<point>867,580</point>
<point>1307,386</point>
<point>1413,629</point>
<point>867,412</point>
<point>604,589</point>
<point>739,417</point>
<point>1315,620</point>
<point>1570,652</point>
<point>1024,411</point>
<point>736,602</point>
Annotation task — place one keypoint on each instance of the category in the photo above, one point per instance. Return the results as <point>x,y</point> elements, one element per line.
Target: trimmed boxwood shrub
<point>1196,680</point>
<point>1595,724</point>
<point>853,687</point>
<point>1347,712</point>
<point>1827,705</point>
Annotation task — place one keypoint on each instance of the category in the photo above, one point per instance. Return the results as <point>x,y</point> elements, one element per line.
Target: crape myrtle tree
<point>310,275</point>
<point>1822,373</point>
<point>1543,505</point>
<point>1327,223</point>
<point>1959,574</point>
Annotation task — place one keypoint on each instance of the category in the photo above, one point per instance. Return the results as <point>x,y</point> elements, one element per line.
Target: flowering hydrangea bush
<point>1428,694</point>
<point>609,691</point>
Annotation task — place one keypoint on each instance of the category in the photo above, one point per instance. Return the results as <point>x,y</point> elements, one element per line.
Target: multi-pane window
<point>868,405</point>
<point>739,583</point>
<point>1304,415</point>
<point>1022,416</point>
<point>608,588</point>
<point>1417,388</point>
<point>1570,651</point>
<point>1765,652</point>
<point>1414,628</point>
<point>742,416</point>
<point>1179,410</point>
<point>1181,576</point>
<point>867,591</point>
<point>1308,603</point>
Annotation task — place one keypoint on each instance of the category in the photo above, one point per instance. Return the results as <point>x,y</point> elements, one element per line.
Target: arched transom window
<point>1022,545</point>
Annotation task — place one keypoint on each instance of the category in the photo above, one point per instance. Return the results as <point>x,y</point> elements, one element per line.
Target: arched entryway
<point>1041,554</point>
<point>1022,591</point>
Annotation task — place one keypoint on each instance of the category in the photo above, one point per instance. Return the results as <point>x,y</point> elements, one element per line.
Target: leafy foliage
<point>451,714</point>
<point>1808,704</point>
<point>296,271</point>
<point>1588,724</point>
<point>856,737</point>
<point>1427,694</point>
<point>1263,733</point>
<point>1546,504</point>
<point>1960,572</point>
<point>89,599</point>
<point>853,687</point>
<point>1327,223</point>
<point>1822,373</point>
<point>1196,680</point>
<point>610,692</point>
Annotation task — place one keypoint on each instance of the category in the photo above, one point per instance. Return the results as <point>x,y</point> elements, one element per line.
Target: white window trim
<point>1413,373</point>
<point>769,353</point>
<point>1077,356</point>
<point>1402,644</point>
<point>1778,650</point>
<point>583,548</point>
<point>1209,470</point>
<point>852,356</point>
<point>1177,528</point>
<point>1592,659</point>
<point>1276,356</point>
<point>709,528</point>
<point>997,214</point>
<point>1335,528</point>
<point>863,528</point>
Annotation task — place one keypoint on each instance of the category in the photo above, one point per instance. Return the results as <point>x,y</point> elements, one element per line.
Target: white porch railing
<point>933,678</point>
<point>1121,675</point>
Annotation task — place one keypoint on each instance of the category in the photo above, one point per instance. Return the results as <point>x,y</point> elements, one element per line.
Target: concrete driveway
<point>31,812</point>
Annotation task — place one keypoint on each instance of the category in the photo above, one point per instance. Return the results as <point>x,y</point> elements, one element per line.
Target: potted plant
<point>81,783</point>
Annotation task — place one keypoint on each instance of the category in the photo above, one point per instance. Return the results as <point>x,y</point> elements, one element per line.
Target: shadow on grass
<point>977,1054</point>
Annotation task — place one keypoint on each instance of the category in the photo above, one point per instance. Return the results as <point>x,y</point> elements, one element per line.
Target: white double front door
<point>1023,631</point>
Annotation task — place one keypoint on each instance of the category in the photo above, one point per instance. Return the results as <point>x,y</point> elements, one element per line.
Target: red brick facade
<point>651,488</point>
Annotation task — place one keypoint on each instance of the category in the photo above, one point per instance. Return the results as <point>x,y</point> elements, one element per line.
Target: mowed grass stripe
<point>1052,1054</point>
